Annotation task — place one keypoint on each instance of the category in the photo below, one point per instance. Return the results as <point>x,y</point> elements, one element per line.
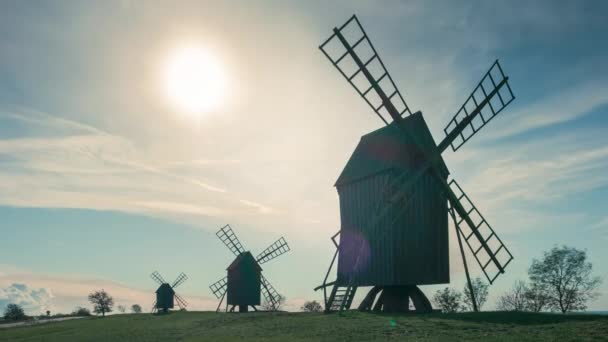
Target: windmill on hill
<point>165,294</point>
<point>245,281</point>
<point>394,192</point>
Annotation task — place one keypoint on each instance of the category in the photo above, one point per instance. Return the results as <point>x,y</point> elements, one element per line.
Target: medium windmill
<point>245,280</point>
<point>394,190</point>
<point>165,294</point>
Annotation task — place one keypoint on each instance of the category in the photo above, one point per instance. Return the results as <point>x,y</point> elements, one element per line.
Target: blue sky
<point>103,180</point>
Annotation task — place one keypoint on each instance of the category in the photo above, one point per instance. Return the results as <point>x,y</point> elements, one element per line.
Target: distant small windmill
<point>394,190</point>
<point>245,280</point>
<point>165,294</point>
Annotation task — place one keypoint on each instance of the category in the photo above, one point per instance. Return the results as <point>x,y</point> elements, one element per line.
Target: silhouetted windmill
<point>165,294</point>
<point>245,279</point>
<point>393,190</point>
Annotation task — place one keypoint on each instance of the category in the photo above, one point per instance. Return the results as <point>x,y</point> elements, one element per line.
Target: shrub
<point>14,312</point>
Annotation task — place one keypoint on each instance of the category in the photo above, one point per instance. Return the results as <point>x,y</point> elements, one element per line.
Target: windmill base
<point>396,299</point>
<point>241,308</point>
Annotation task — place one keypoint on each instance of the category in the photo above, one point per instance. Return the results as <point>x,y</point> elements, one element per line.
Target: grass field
<point>208,326</point>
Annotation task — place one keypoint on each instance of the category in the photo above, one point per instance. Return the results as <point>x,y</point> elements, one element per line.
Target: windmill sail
<point>228,237</point>
<point>219,287</point>
<point>493,92</point>
<point>157,277</point>
<point>350,50</point>
<point>493,259</point>
<point>277,248</point>
<point>179,280</point>
<point>181,302</point>
<point>271,295</point>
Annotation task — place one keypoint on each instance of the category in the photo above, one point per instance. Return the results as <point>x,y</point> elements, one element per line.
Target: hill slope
<point>200,326</point>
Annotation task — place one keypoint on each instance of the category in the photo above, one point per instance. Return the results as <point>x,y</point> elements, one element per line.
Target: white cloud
<point>33,300</point>
<point>38,293</point>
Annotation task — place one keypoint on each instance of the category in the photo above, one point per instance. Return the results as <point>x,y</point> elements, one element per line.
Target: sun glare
<point>195,80</point>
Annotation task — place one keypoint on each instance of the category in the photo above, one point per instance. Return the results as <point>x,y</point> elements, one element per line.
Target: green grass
<point>208,326</point>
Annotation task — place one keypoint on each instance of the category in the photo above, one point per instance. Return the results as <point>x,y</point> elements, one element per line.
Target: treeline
<point>102,303</point>
<point>561,281</point>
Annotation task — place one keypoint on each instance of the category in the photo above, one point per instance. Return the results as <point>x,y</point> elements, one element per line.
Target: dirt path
<point>37,321</point>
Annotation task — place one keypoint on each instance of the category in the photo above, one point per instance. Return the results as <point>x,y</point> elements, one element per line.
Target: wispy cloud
<point>567,104</point>
<point>260,207</point>
<point>80,166</point>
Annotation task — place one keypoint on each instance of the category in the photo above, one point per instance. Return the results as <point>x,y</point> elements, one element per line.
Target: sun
<point>195,80</point>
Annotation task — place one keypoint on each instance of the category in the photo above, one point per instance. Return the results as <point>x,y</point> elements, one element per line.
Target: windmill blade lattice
<point>219,287</point>
<point>493,92</point>
<point>350,50</point>
<point>181,302</point>
<point>493,260</point>
<point>228,237</point>
<point>157,277</point>
<point>277,248</point>
<point>268,291</point>
<point>179,280</point>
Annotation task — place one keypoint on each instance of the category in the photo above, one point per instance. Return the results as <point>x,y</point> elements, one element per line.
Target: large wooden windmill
<point>165,294</point>
<point>245,281</point>
<point>395,196</point>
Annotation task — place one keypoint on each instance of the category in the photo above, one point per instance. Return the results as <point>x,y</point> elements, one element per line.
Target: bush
<point>277,305</point>
<point>311,306</point>
<point>136,308</point>
<point>448,300</point>
<point>14,312</point>
<point>80,311</point>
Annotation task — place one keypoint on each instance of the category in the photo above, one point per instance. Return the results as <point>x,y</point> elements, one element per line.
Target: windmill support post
<point>220,304</point>
<point>396,299</point>
<point>464,261</point>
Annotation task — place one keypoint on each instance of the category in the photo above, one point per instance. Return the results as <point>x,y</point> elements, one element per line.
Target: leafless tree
<point>514,299</point>
<point>480,290</point>
<point>536,298</point>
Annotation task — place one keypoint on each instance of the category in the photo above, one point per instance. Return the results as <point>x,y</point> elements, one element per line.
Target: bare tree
<point>448,300</point>
<point>566,276</point>
<point>276,306</point>
<point>102,302</point>
<point>536,298</point>
<point>312,306</point>
<point>121,308</point>
<point>514,299</point>
<point>480,291</point>
<point>136,308</point>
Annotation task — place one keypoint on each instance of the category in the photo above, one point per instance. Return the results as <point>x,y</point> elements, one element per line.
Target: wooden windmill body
<point>166,297</point>
<point>395,195</point>
<point>244,283</point>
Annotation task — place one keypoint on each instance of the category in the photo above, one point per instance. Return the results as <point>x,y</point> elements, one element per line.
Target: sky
<point>103,179</point>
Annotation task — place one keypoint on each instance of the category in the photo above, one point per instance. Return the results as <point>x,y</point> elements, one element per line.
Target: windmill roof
<point>389,148</point>
<point>165,287</point>
<point>245,257</point>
